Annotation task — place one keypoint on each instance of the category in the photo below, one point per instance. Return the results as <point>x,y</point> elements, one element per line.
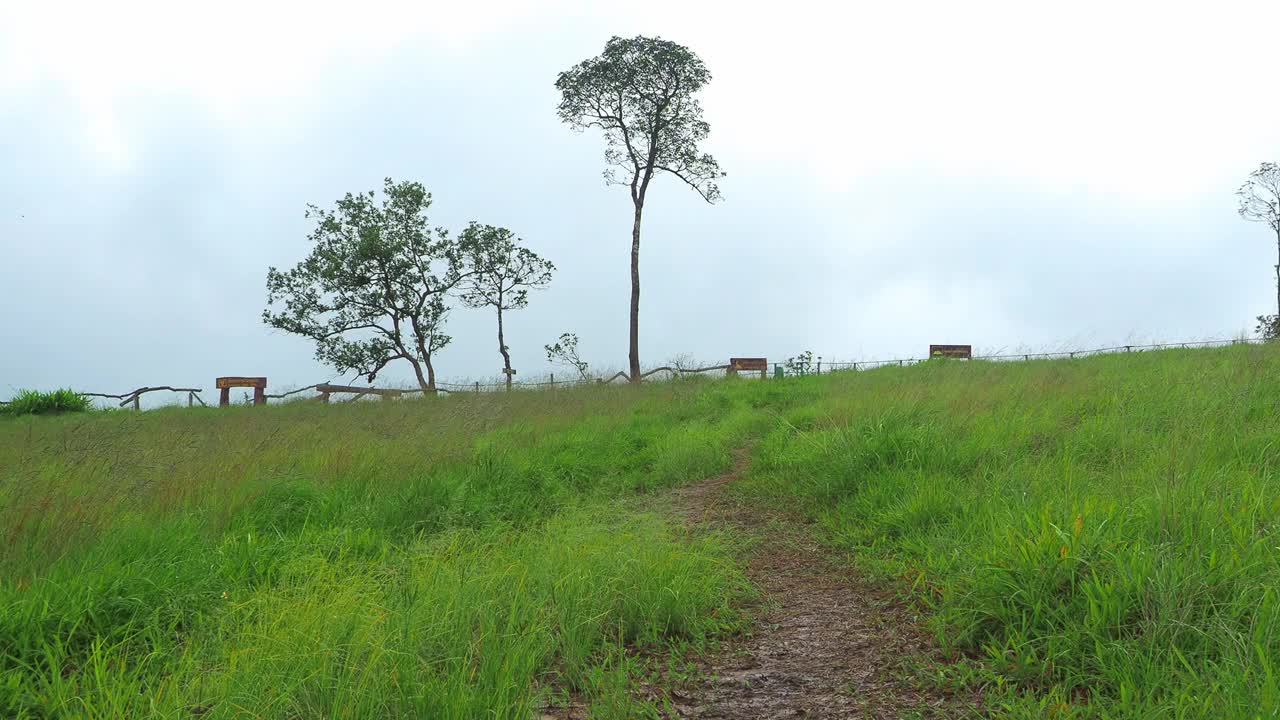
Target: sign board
<point>224,384</point>
<point>760,365</point>
<point>230,382</point>
<point>951,351</point>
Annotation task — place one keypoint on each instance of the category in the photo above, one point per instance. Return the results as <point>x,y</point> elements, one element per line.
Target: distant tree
<point>565,352</point>
<point>1260,202</point>
<point>372,289</point>
<point>801,364</point>
<point>1268,327</point>
<point>501,275</point>
<point>641,92</point>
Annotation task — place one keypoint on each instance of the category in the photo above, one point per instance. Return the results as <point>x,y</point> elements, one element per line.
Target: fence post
<point>553,380</point>
<point>190,401</point>
<point>477,387</point>
<point>819,364</point>
<point>1128,348</point>
<point>136,405</point>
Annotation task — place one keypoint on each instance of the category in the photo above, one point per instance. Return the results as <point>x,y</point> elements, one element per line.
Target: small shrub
<point>34,402</point>
<point>1268,327</point>
<point>801,364</point>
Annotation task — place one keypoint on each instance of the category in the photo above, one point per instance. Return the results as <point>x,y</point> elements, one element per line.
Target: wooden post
<point>477,387</point>
<point>324,397</point>
<point>224,397</point>
<point>190,400</point>
<point>553,380</point>
<point>819,364</point>
<point>137,405</point>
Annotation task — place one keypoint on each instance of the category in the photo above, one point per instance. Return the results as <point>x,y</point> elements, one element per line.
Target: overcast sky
<point>1003,174</point>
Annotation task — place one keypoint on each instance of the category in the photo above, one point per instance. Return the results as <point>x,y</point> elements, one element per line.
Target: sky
<point>1010,175</point>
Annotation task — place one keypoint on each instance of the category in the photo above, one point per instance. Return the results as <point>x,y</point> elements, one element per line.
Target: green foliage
<point>565,352</point>
<point>501,274</point>
<point>642,93</point>
<point>801,364</point>
<point>1268,327</point>
<point>502,271</point>
<point>34,402</point>
<point>372,289</point>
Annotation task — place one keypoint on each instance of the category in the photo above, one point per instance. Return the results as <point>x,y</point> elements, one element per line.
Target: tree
<point>1260,202</point>
<point>565,352</point>
<point>501,275</point>
<point>1268,327</point>
<point>641,92</point>
<point>372,289</point>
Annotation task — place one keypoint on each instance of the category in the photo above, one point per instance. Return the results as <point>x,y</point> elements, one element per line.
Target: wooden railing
<point>133,397</point>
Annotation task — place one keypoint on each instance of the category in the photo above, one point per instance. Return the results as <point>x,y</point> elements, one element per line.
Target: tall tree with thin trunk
<point>1260,202</point>
<point>501,274</point>
<point>372,289</point>
<point>641,92</point>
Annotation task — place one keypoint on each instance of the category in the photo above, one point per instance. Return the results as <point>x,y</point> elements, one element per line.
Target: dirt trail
<point>826,644</point>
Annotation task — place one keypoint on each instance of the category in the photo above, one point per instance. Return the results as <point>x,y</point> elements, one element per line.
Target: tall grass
<point>1091,538</point>
<point>440,558</point>
<point>35,402</point>
<point>1101,534</point>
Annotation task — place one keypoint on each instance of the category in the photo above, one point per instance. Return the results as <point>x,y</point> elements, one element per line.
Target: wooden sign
<point>760,365</point>
<point>224,384</point>
<point>951,351</point>
<point>230,382</point>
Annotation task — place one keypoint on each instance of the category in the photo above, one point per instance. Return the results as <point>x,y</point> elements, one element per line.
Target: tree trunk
<point>502,347</point>
<point>431,377</point>
<point>417,371</point>
<point>633,355</point>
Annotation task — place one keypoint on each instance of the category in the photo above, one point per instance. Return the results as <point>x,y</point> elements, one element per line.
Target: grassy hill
<point>1092,537</point>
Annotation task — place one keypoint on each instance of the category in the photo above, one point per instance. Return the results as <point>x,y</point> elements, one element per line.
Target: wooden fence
<point>193,395</point>
<point>325,390</point>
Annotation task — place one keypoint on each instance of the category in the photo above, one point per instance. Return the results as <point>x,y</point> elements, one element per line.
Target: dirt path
<point>825,644</point>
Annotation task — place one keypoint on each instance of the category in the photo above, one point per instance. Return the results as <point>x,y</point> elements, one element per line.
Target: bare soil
<point>825,643</point>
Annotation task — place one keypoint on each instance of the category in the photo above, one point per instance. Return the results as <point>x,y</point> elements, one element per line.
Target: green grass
<point>1101,535</point>
<point>462,557</point>
<point>1090,538</point>
<point>34,402</point>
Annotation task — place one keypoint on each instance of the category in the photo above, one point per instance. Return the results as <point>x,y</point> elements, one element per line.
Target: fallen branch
<point>292,392</point>
<point>132,397</point>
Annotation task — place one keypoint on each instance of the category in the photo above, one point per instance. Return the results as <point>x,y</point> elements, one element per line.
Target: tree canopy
<point>372,289</point>
<point>501,273</point>
<point>1259,198</point>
